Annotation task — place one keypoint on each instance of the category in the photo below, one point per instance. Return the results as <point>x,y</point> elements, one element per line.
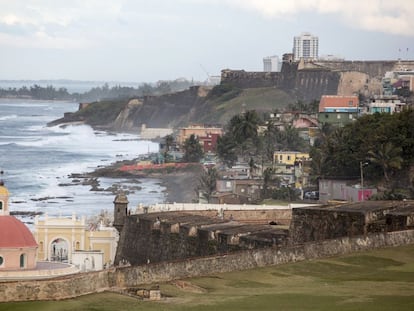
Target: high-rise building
<point>271,64</point>
<point>305,46</point>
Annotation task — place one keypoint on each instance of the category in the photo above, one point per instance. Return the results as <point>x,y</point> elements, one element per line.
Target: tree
<point>226,149</point>
<point>244,126</point>
<point>169,140</point>
<point>207,183</point>
<point>388,157</point>
<point>192,150</point>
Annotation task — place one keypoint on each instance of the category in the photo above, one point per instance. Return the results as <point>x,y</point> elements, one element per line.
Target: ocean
<point>37,161</point>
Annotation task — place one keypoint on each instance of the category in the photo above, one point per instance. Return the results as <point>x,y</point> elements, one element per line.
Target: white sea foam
<point>38,160</point>
<point>9,117</point>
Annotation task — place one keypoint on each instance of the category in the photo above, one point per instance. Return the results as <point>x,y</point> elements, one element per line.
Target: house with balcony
<point>385,104</point>
<point>292,167</point>
<point>338,110</point>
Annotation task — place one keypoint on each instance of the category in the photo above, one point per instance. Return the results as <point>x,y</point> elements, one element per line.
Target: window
<point>288,157</point>
<point>22,260</point>
<point>1,260</point>
<point>351,103</point>
<point>1,205</point>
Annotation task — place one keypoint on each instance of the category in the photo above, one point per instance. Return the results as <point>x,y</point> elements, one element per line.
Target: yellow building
<point>292,167</point>
<point>60,239</point>
<point>289,157</point>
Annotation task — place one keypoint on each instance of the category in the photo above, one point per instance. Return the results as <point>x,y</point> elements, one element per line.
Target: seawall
<point>92,282</point>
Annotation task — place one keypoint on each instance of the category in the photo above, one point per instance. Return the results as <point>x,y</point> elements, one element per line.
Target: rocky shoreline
<point>180,183</point>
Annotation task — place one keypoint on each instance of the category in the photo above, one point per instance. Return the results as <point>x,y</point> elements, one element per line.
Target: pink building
<point>17,244</point>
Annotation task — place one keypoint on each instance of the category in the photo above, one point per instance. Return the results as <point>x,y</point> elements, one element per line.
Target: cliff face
<point>305,81</point>
<point>163,111</point>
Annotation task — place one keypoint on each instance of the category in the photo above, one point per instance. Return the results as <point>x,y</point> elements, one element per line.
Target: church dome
<point>15,234</point>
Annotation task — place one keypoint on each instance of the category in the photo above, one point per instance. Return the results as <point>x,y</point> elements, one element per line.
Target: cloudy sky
<point>150,40</point>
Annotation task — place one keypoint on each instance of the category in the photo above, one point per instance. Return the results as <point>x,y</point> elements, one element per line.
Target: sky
<point>151,40</point>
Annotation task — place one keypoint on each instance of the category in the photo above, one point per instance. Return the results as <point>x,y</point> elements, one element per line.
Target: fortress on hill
<point>309,80</point>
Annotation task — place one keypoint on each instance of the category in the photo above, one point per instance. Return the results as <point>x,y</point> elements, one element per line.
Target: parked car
<point>311,195</point>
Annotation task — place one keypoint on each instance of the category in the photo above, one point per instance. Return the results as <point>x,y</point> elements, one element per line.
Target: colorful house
<point>289,157</point>
<point>385,104</point>
<point>338,110</point>
<point>291,168</point>
<point>206,135</point>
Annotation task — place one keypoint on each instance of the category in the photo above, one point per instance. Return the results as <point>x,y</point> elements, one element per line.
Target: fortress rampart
<point>164,246</point>
<point>92,282</point>
<point>167,236</point>
<point>308,81</point>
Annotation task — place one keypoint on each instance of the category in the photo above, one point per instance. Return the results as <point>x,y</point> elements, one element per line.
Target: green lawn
<point>377,280</point>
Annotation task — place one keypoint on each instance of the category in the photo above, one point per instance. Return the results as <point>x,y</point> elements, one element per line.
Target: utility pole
<point>361,169</point>
<point>362,179</point>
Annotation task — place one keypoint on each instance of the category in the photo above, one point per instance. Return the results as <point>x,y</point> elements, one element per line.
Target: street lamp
<point>361,166</point>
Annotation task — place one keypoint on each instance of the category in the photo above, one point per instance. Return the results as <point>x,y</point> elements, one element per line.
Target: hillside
<point>195,105</point>
<point>262,100</point>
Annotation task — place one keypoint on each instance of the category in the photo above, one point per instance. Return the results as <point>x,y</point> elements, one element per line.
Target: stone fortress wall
<point>131,276</point>
<point>308,81</point>
<point>189,243</point>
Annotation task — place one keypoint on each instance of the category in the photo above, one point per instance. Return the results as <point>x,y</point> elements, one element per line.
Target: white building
<point>305,46</point>
<point>385,104</point>
<point>271,64</point>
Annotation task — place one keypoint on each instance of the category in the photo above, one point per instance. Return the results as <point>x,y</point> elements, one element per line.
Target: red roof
<point>338,101</point>
<point>14,233</point>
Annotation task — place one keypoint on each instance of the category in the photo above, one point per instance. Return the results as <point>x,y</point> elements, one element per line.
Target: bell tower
<point>120,211</point>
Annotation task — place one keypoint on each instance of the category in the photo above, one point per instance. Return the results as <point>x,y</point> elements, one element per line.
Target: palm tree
<point>193,152</point>
<point>388,157</point>
<point>169,140</point>
<point>245,126</point>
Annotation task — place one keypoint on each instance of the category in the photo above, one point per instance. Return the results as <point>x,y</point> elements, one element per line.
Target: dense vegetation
<point>97,93</point>
<point>243,140</point>
<point>383,143</point>
<point>101,113</point>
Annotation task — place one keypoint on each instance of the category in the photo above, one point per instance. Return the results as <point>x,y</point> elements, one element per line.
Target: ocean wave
<point>9,117</point>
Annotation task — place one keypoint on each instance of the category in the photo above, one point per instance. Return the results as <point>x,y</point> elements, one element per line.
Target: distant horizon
<point>143,41</point>
<point>69,80</point>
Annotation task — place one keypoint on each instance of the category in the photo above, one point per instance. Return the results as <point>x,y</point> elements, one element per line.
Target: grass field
<point>378,280</point>
<point>260,99</point>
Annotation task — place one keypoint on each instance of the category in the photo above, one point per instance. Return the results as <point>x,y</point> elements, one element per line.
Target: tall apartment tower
<point>271,64</point>
<point>305,46</point>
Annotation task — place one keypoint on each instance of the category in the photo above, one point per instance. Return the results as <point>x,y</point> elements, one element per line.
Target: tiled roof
<point>13,233</point>
<point>335,101</point>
